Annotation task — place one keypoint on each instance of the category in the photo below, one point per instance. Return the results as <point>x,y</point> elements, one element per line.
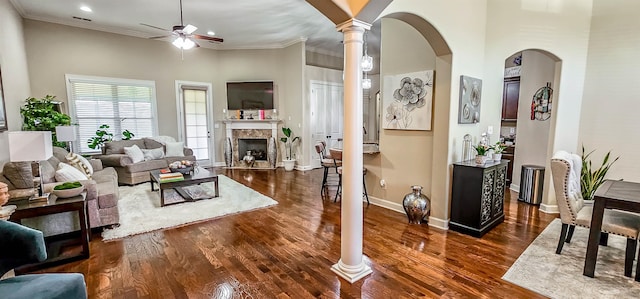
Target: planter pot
<point>481,159</point>
<point>497,157</point>
<point>289,164</point>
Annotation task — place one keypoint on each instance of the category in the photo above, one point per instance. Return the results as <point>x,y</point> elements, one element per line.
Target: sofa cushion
<point>146,166</point>
<point>117,147</point>
<point>134,153</point>
<point>174,149</point>
<point>19,174</point>
<point>50,285</point>
<point>115,160</point>
<point>3,179</point>
<point>66,173</point>
<point>107,196</point>
<point>60,154</point>
<point>153,154</point>
<point>151,144</point>
<point>80,163</point>
<point>47,171</point>
<point>108,174</point>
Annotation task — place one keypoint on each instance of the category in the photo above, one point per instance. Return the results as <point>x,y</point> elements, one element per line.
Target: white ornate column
<point>351,265</point>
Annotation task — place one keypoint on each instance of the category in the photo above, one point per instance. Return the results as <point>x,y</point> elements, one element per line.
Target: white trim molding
<point>515,188</point>
<point>549,209</point>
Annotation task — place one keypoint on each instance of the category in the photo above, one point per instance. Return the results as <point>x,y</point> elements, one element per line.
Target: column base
<point>351,273</point>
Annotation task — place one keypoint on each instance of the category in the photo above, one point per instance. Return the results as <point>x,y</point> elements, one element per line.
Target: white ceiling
<point>243,24</point>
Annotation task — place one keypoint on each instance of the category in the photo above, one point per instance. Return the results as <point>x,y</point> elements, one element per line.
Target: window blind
<point>119,103</point>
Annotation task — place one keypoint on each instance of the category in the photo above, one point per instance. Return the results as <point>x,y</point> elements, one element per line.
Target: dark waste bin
<point>531,184</point>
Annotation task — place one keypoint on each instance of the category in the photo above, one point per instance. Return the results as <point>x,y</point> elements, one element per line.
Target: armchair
<point>22,245</point>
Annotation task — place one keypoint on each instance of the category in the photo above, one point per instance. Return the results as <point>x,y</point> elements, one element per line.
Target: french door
<point>327,117</point>
<point>195,119</point>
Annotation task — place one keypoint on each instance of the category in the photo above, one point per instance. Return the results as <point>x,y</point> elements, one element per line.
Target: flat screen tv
<point>250,95</point>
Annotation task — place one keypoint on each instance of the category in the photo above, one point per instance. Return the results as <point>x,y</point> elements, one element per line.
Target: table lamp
<point>66,134</point>
<point>31,146</point>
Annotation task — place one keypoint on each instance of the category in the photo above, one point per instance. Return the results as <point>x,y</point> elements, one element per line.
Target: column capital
<point>353,23</point>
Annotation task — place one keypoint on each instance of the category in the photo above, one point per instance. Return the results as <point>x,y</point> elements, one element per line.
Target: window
<point>122,104</point>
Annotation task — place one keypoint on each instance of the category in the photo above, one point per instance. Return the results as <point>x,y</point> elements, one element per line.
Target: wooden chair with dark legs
<point>336,154</point>
<point>565,170</point>
<point>327,162</point>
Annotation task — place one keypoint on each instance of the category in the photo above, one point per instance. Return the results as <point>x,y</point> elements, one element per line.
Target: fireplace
<point>258,148</point>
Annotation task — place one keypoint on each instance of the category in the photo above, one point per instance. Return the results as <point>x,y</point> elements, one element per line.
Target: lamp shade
<point>66,133</point>
<point>30,146</point>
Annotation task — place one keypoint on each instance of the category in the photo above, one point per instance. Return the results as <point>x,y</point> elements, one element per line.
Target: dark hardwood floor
<point>286,251</point>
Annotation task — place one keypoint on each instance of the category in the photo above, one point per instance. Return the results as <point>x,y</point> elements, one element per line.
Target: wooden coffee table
<point>199,176</point>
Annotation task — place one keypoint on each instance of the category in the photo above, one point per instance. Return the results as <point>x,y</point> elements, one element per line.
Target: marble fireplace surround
<point>249,129</point>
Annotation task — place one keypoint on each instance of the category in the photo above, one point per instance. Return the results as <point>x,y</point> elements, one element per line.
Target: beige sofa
<point>130,173</point>
<point>102,190</point>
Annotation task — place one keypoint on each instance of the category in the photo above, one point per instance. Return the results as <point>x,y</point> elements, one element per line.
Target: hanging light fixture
<point>366,82</point>
<point>183,42</point>
<point>367,61</point>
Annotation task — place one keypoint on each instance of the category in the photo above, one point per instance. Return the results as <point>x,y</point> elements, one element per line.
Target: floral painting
<point>408,101</point>
<point>470,95</point>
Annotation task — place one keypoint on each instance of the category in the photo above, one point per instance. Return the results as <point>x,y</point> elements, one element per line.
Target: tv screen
<point>250,95</point>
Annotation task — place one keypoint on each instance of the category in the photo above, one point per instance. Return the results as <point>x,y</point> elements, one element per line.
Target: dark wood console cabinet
<point>477,196</point>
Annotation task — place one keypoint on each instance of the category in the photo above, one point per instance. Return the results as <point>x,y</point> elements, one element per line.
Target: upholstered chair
<point>22,245</point>
<point>336,154</point>
<point>565,170</point>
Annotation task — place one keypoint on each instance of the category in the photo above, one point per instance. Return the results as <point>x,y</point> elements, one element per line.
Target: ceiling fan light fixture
<point>86,8</point>
<point>182,42</point>
<point>211,33</point>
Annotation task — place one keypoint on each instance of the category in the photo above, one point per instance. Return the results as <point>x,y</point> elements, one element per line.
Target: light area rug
<point>540,269</point>
<point>140,209</point>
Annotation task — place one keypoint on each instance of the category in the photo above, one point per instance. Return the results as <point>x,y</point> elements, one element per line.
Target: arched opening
<point>528,121</point>
<point>409,44</point>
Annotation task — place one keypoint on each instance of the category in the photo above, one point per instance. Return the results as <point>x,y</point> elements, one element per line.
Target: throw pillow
<point>175,149</point>
<point>68,173</point>
<point>19,174</point>
<point>134,153</point>
<point>153,154</point>
<point>81,163</point>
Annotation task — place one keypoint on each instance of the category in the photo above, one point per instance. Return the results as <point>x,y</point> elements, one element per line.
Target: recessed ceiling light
<point>86,8</point>
<point>211,32</point>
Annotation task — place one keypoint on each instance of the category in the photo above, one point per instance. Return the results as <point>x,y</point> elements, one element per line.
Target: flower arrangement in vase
<point>498,149</point>
<point>481,153</point>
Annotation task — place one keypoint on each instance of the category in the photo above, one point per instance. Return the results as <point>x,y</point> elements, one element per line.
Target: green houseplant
<point>102,136</point>
<point>289,160</point>
<point>498,149</point>
<point>481,153</point>
<point>591,179</point>
<point>40,115</point>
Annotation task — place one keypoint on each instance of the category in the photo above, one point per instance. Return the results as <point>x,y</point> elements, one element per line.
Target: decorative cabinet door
<point>498,191</point>
<point>488,181</point>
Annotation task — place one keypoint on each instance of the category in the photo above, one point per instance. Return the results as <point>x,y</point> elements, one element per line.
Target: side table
<point>55,244</point>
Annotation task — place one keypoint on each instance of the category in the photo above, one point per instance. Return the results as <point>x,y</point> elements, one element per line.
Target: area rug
<point>140,209</point>
<point>541,270</point>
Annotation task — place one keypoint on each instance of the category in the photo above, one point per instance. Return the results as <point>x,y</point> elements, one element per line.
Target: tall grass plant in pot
<point>289,159</point>
<point>591,179</point>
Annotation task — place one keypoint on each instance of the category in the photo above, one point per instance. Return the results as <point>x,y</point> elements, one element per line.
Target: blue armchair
<point>22,245</point>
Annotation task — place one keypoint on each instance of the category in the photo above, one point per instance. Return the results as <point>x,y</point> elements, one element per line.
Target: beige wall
<point>405,156</point>
<point>15,75</point>
<point>611,105</point>
<point>532,136</point>
<point>88,52</point>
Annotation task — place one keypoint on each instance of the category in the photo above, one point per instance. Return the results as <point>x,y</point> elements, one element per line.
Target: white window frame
<point>114,81</point>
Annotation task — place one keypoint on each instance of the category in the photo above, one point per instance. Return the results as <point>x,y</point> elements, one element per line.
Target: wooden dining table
<point>620,195</point>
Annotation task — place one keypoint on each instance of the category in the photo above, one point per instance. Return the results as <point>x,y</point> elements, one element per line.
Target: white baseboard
<point>549,209</point>
<point>514,187</point>
<point>396,207</point>
<point>304,167</point>
<point>219,164</point>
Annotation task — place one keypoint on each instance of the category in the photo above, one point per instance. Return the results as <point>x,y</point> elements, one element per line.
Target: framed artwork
<point>407,101</point>
<point>3,111</point>
<point>470,98</point>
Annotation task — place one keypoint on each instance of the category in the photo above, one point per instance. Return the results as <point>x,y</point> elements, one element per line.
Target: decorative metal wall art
<point>541,103</point>
<point>408,101</point>
<point>470,97</point>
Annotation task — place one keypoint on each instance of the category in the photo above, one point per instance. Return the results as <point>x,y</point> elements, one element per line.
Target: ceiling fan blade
<point>189,29</point>
<point>143,24</point>
<point>160,37</point>
<point>209,38</point>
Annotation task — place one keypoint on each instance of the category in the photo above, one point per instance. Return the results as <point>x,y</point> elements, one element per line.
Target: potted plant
<point>591,179</point>
<point>498,149</point>
<point>289,160</point>
<point>101,137</point>
<point>41,115</point>
<point>481,153</point>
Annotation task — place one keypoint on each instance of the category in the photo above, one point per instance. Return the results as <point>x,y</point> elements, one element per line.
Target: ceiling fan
<point>184,35</point>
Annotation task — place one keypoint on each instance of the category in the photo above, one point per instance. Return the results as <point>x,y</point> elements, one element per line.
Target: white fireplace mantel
<point>251,124</point>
